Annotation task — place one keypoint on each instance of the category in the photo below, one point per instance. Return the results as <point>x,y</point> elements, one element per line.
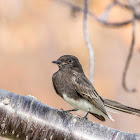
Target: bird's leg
<point>67,111</point>
<point>86,116</point>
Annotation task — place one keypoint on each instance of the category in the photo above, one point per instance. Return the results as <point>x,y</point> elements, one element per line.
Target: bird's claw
<point>85,117</point>
<point>62,109</point>
<point>67,112</point>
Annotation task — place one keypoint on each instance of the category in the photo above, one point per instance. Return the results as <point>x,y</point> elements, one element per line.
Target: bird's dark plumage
<point>73,86</point>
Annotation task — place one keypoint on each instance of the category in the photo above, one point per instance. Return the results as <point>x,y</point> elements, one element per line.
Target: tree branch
<point>129,59</point>
<point>93,16</point>
<point>88,41</point>
<point>107,10</point>
<point>126,6</point>
<point>24,117</point>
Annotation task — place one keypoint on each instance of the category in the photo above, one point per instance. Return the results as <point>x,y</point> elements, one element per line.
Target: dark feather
<point>120,107</point>
<point>100,117</point>
<point>87,91</point>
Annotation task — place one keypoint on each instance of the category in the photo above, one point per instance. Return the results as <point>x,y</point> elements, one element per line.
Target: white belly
<point>83,105</point>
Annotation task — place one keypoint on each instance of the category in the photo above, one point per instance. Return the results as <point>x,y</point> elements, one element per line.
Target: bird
<point>74,87</point>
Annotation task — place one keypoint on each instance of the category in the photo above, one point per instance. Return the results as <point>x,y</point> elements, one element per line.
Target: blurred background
<point>33,33</point>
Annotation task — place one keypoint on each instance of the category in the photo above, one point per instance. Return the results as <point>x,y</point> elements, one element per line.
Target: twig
<point>106,23</point>
<point>128,59</point>
<point>106,13</point>
<point>122,5</point>
<point>127,6</point>
<point>88,41</point>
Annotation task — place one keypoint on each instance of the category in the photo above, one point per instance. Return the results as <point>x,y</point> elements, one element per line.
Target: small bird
<point>74,87</point>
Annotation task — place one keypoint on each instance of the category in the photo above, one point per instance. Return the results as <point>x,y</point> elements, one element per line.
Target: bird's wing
<point>87,91</point>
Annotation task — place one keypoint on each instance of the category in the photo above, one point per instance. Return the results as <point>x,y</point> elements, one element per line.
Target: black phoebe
<point>74,87</point>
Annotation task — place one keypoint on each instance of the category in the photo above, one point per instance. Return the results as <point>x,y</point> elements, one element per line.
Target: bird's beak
<point>56,62</point>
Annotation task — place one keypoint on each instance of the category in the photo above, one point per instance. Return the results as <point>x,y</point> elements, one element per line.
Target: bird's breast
<point>63,84</point>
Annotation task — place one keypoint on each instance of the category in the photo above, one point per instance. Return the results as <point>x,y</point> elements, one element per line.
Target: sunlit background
<point>33,33</point>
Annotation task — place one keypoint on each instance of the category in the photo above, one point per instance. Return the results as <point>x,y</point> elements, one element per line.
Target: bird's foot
<point>86,116</point>
<point>64,111</point>
<point>68,111</point>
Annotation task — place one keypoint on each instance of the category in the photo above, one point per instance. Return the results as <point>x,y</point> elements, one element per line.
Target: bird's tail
<point>100,117</point>
<point>109,116</point>
<point>120,107</point>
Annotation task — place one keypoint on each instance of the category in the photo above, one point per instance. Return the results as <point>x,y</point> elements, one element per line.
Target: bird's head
<point>68,62</point>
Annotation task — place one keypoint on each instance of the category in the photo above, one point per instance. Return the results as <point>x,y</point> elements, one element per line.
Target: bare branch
<point>113,24</point>
<point>128,59</point>
<point>102,21</point>
<point>88,41</point>
<point>126,6</point>
<point>24,117</point>
<point>122,5</point>
<point>106,13</point>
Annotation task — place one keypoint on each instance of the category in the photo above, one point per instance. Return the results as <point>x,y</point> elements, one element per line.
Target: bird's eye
<point>70,61</point>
